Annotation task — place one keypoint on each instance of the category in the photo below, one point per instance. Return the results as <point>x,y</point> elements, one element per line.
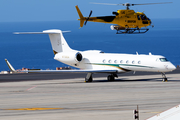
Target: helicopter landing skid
<point>132,31</point>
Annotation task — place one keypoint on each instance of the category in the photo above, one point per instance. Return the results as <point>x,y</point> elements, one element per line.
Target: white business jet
<point>95,61</point>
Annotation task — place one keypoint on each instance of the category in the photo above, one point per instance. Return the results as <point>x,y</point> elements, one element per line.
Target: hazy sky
<point>60,10</point>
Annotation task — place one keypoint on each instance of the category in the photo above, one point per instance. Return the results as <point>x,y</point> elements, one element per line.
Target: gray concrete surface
<point>72,99</point>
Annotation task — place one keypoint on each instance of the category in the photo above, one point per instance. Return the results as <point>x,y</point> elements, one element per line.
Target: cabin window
<point>104,61</point>
<point>133,62</point>
<point>163,59</point>
<point>115,61</point>
<point>127,61</point>
<point>121,61</point>
<point>139,62</point>
<point>109,61</point>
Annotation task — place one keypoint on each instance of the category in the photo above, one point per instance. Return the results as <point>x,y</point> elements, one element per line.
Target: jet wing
<point>71,71</point>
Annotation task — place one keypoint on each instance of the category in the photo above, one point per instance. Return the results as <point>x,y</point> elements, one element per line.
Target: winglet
<point>10,66</point>
<point>82,18</point>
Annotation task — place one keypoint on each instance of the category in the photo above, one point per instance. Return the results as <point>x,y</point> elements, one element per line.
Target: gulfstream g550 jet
<point>95,61</point>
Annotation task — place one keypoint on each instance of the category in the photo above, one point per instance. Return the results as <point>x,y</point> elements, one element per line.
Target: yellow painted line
<point>35,109</point>
<point>153,112</point>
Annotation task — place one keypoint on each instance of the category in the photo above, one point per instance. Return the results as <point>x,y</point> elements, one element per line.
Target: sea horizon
<point>34,51</point>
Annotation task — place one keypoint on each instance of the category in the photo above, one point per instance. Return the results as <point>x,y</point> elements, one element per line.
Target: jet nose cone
<point>171,67</point>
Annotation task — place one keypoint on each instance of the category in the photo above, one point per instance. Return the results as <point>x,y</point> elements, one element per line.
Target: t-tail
<point>61,49</point>
<point>58,42</point>
<point>82,18</point>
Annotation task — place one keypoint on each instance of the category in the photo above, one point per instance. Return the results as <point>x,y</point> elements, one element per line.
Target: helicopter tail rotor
<point>82,18</point>
<point>88,17</point>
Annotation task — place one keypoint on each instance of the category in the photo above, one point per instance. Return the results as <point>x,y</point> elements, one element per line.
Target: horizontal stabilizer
<point>44,32</point>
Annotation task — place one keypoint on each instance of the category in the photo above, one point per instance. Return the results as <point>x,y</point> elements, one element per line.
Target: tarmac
<point>67,97</point>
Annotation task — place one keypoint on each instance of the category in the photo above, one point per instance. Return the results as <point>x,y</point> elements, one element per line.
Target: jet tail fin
<point>82,18</point>
<point>10,66</point>
<point>57,39</point>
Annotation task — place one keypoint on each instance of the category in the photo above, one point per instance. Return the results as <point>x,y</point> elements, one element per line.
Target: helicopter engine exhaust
<point>117,27</point>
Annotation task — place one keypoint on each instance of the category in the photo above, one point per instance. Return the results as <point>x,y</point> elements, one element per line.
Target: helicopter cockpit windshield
<point>145,19</point>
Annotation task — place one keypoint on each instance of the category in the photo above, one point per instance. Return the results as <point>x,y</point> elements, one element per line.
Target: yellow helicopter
<point>126,21</point>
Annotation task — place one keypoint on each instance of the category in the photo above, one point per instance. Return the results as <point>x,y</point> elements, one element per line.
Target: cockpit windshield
<point>143,17</point>
<point>163,59</point>
<point>102,52</point>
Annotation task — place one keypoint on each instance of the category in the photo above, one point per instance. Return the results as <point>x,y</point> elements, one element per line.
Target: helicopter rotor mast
<point>128,4</point>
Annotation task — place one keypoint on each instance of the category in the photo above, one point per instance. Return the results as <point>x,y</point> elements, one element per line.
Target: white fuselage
<point>96,60</point>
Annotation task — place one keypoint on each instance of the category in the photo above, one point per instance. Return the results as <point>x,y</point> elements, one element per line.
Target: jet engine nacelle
<point>69,57</point>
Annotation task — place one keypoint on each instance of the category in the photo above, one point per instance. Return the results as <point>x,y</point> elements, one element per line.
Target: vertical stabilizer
<point>82,18</point>
<point>10,66</point>
<point>58,42</point>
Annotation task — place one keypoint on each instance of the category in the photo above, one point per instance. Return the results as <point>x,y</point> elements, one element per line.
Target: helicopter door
<point>138,17</point>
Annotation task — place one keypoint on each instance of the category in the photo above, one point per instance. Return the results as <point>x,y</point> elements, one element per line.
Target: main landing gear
<point>127,30</point>
<point>164,78</point>
<point>132,31</point>
<point>89,78</point>
<point>111,77</point>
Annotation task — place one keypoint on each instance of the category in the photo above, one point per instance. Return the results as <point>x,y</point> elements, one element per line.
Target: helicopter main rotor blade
<point>152,3</point>
<point>106,3</point>
<point>88,17</point>
<point>128,4</point>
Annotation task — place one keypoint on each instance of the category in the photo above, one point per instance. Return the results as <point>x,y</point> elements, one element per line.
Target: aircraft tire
<point>89,80</point>
<point>110,78</point>
<point>165,79</point>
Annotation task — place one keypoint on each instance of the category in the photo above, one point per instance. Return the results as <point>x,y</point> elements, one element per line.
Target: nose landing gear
<point>164,78</point>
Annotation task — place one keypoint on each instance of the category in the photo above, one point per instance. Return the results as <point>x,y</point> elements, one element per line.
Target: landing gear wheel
<point>110,78</point>
<point>164,77</point>
<point>88,77</point>
<point>89,80</point>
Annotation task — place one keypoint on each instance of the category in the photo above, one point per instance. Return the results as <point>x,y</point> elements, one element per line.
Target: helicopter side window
<point>138,17</point>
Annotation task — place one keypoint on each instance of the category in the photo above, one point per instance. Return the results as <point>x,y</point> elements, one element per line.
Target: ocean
<point>34,51</point>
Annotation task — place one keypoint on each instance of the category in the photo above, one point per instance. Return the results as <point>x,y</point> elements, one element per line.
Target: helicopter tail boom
<point>82,18</point>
